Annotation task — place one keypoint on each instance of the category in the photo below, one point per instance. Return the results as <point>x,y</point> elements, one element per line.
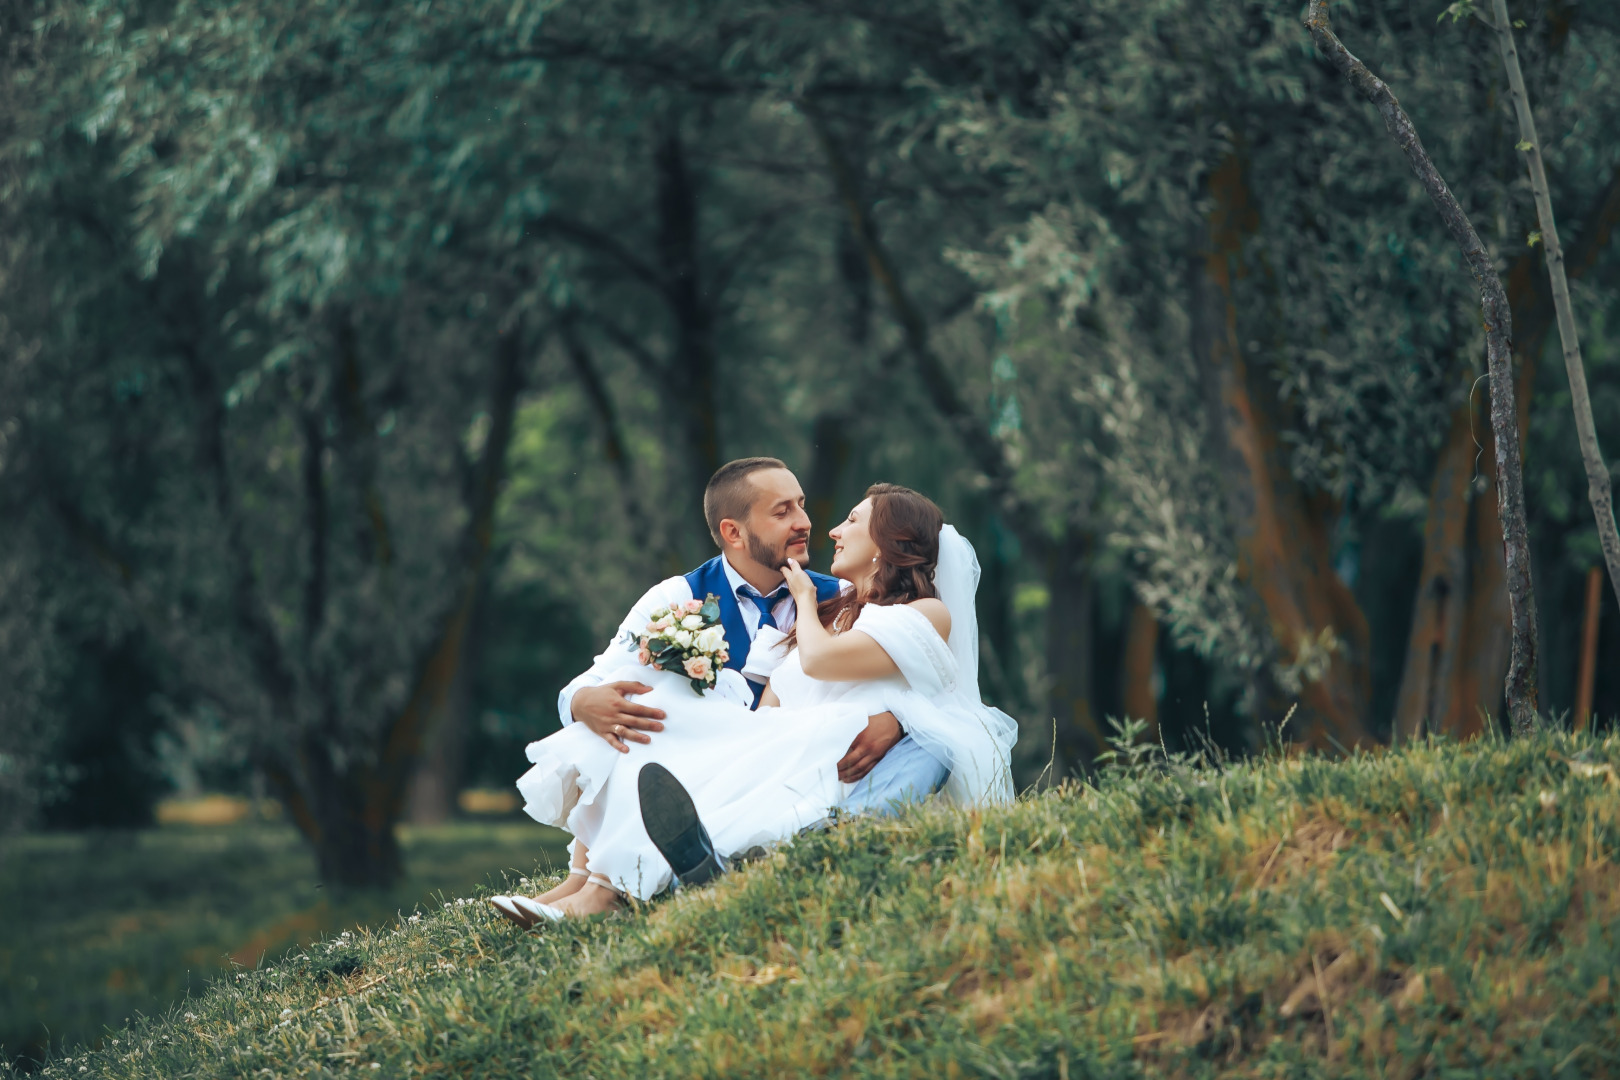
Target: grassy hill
<point>96,927</point>
<point>1441,910</point>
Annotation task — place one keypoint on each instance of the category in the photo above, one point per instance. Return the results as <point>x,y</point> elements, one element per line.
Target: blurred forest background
<point>361,362</point>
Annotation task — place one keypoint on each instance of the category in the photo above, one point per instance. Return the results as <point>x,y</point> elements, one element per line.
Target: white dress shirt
<point>621,651</point>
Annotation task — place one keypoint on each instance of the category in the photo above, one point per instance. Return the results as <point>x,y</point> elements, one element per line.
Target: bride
<point>903,639</point>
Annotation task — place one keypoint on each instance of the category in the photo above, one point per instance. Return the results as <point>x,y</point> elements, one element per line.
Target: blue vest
<point>711,578</point>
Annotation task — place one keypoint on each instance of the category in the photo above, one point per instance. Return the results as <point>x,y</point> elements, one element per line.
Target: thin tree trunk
<point>1598,482</point>
<point>1137,698</point>
<point>313,425</point>
<point>1521,677</point>
<point>1587,679</point>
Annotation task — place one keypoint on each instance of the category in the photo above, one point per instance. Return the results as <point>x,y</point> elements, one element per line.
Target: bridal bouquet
<point>688,640</point>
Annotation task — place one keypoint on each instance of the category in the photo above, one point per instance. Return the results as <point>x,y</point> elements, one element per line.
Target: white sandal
<point>525,911</point>
<point>536,910</point>
<point>505,906</point>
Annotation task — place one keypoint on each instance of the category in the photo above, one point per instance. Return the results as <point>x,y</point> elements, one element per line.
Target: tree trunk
<point>696,383</point>
<point>1520,685</point>
<point>1438,618</point>
<point>829,456</point>
<point>437,779</point>
<point>353,849</point>
<point>383,788</point>
<point>1070,644</point>
<point>1280,534</point>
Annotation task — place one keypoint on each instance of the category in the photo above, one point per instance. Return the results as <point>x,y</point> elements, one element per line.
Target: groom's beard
<point>774,557</point>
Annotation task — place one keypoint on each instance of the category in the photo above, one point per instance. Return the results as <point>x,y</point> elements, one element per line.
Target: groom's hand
<point>605,710</point>
<point>882,732</point>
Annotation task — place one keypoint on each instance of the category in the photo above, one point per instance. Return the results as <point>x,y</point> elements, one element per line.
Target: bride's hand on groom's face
<point>800,585</point>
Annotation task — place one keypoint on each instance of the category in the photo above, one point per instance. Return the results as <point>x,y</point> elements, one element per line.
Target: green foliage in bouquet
<point>688,640</point>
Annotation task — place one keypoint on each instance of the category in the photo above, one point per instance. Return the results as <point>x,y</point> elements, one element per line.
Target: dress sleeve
<point>619,653</point>
<point>913,644</point>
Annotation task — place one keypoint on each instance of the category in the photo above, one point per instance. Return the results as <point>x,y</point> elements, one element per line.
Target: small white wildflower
<point>414,919</point>
<point>191,1016</point>
<point>286,1013</point>
<point>376,1065</point>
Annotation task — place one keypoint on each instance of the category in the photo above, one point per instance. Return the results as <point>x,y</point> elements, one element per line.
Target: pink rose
<point>663,622</point>
<point>698,667</point>
<point>722,656</point>
<point>693,607</point>
<point>644,656</point>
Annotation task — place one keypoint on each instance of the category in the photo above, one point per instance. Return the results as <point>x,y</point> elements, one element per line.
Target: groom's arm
<point>594,708</point>
<point>882,732</point>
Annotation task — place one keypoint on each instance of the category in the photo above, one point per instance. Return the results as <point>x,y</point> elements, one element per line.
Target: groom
<point>755,512</point>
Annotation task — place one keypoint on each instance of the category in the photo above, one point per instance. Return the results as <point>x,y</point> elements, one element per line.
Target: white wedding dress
<point>760,777</point>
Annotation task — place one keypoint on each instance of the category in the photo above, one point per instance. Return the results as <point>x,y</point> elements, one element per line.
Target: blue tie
<point>764,603</point>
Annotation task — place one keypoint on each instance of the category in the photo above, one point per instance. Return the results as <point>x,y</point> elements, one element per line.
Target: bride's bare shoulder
<point>937,613</point>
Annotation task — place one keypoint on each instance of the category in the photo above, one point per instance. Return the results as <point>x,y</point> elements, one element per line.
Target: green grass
<point>1440,911</point>
<point>95,928</point>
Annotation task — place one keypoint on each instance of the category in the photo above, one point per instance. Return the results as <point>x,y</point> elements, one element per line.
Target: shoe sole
<point>672,821</point>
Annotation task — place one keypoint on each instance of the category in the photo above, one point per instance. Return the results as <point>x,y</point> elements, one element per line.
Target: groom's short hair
<point>730,495</point>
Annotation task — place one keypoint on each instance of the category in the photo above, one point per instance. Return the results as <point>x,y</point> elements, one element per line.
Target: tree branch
<point>1522,675</point>
<point>643,357</point>
<point>596,240</point>
<point>983,449</point>
<point>614,447</point>
<point>264,649</point>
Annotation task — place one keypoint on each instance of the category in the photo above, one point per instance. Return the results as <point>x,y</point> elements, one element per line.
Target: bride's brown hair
<point>905,527</point>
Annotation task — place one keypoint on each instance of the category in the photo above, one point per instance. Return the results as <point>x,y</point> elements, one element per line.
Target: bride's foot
<point>566,888</point>
<point>593,899</point>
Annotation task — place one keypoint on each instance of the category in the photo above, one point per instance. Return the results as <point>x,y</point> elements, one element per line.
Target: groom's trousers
<point>906,774</point>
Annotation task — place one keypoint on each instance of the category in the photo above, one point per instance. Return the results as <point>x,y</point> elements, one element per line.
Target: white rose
<point>683,638</point>
<point>712,640</point>
<point>693,622</point>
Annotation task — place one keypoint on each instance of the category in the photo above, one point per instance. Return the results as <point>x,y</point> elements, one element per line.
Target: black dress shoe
<point>673,826</point>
